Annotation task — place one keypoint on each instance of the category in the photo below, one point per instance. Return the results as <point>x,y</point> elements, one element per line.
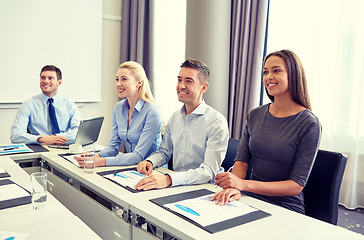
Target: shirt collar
<point>45,97</point>
<point>138,106</point>
<point>200,110</point>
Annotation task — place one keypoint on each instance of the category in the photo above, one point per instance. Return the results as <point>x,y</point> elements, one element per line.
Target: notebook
<point>88,132</point>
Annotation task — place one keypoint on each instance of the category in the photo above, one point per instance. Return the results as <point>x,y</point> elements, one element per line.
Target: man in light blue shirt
<point>32,123</point>
<point>197,136</point>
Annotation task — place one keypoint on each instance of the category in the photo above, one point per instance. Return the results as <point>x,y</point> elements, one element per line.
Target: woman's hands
<point>229,180</point>
<point>226,196</point>
<point>232,186</point>
<point>99,161</point>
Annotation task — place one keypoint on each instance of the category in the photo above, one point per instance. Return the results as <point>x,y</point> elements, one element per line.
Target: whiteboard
<point>64,33</point>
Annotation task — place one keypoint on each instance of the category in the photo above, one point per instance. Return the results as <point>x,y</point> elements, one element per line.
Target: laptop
<point>88,132</point>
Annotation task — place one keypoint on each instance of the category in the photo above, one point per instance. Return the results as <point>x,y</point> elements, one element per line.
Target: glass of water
<point>38,182</point>
<point>89,161</point>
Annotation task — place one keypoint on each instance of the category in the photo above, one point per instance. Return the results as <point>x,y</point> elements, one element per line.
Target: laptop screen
<point>88,131</point>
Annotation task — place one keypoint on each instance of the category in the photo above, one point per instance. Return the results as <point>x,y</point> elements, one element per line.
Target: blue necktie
<point>52,117</point>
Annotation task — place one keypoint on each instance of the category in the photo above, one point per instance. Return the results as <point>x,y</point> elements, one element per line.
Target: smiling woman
<point>136,120</point>
<point>330,44</point>
<point>280,72</point>
<point>275,77</point>
<point>279,141</point>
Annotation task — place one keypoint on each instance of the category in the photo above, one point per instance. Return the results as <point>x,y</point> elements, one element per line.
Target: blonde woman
<point>136,120</point>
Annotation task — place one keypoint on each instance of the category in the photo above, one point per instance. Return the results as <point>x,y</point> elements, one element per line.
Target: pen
<point>187,209</point>
<point>229,170</point>
<point>10,148</point>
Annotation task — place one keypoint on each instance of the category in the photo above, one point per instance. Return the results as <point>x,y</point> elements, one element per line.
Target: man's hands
<point>52,139</point>
<point>145,167</point>
<point>152,180</point>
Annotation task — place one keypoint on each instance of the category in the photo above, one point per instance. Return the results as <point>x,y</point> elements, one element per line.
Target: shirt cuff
<point>177,178</point>
<point>150,162</point>
<point>111,161</point>
<point>33,139</point>
<point>153,161</point>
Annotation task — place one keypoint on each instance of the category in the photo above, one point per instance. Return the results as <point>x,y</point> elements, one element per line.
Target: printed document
<point>12,191</point>
<point>206,212</point>
<point>126,178</point>
<point>14,148</point>
<point>72,159</point>
<point>13,235</point>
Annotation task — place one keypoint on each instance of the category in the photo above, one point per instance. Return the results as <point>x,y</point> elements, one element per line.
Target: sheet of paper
<point>206,212</point>
<point>72,159</point>
<point>12,191</point>
<point>13,235</point>
<point>14,148</point>
<point>126,178</point>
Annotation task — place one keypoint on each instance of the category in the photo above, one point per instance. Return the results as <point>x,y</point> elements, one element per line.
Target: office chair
<point>229,157</point>
<point>230,153</point>
<point>321,193</point>
<point>170,163</point>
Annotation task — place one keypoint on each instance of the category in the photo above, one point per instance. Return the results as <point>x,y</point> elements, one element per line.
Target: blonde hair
<point>144,91</point>
<point>138,72</point>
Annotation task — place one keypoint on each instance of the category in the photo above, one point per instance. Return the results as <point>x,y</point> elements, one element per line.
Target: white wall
<point>75,38</point>
<point>110,62</point>
<point>208,40</point>
<point>169,21</point>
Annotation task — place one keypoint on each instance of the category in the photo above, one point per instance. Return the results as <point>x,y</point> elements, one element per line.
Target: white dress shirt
<point>198,142</point>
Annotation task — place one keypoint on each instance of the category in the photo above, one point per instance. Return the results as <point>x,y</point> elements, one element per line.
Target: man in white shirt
<point>46,118</point>
<point>197,136</point>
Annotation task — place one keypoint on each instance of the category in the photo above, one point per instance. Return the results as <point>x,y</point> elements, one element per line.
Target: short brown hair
<point>202,68</point>
<point>52,68</point>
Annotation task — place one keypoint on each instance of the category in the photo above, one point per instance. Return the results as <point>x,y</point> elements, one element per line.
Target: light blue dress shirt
<point>33,116</point>
<point>198,142</point>
<point>141,136</point>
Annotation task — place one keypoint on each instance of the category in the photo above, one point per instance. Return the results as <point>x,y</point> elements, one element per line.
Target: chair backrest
<point>170,163</point>
<point>321,193</point>
<point>230,154</point>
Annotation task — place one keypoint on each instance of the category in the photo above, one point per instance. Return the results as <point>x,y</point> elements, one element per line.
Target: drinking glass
<point>89,161</point>
<point>38,182</point>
